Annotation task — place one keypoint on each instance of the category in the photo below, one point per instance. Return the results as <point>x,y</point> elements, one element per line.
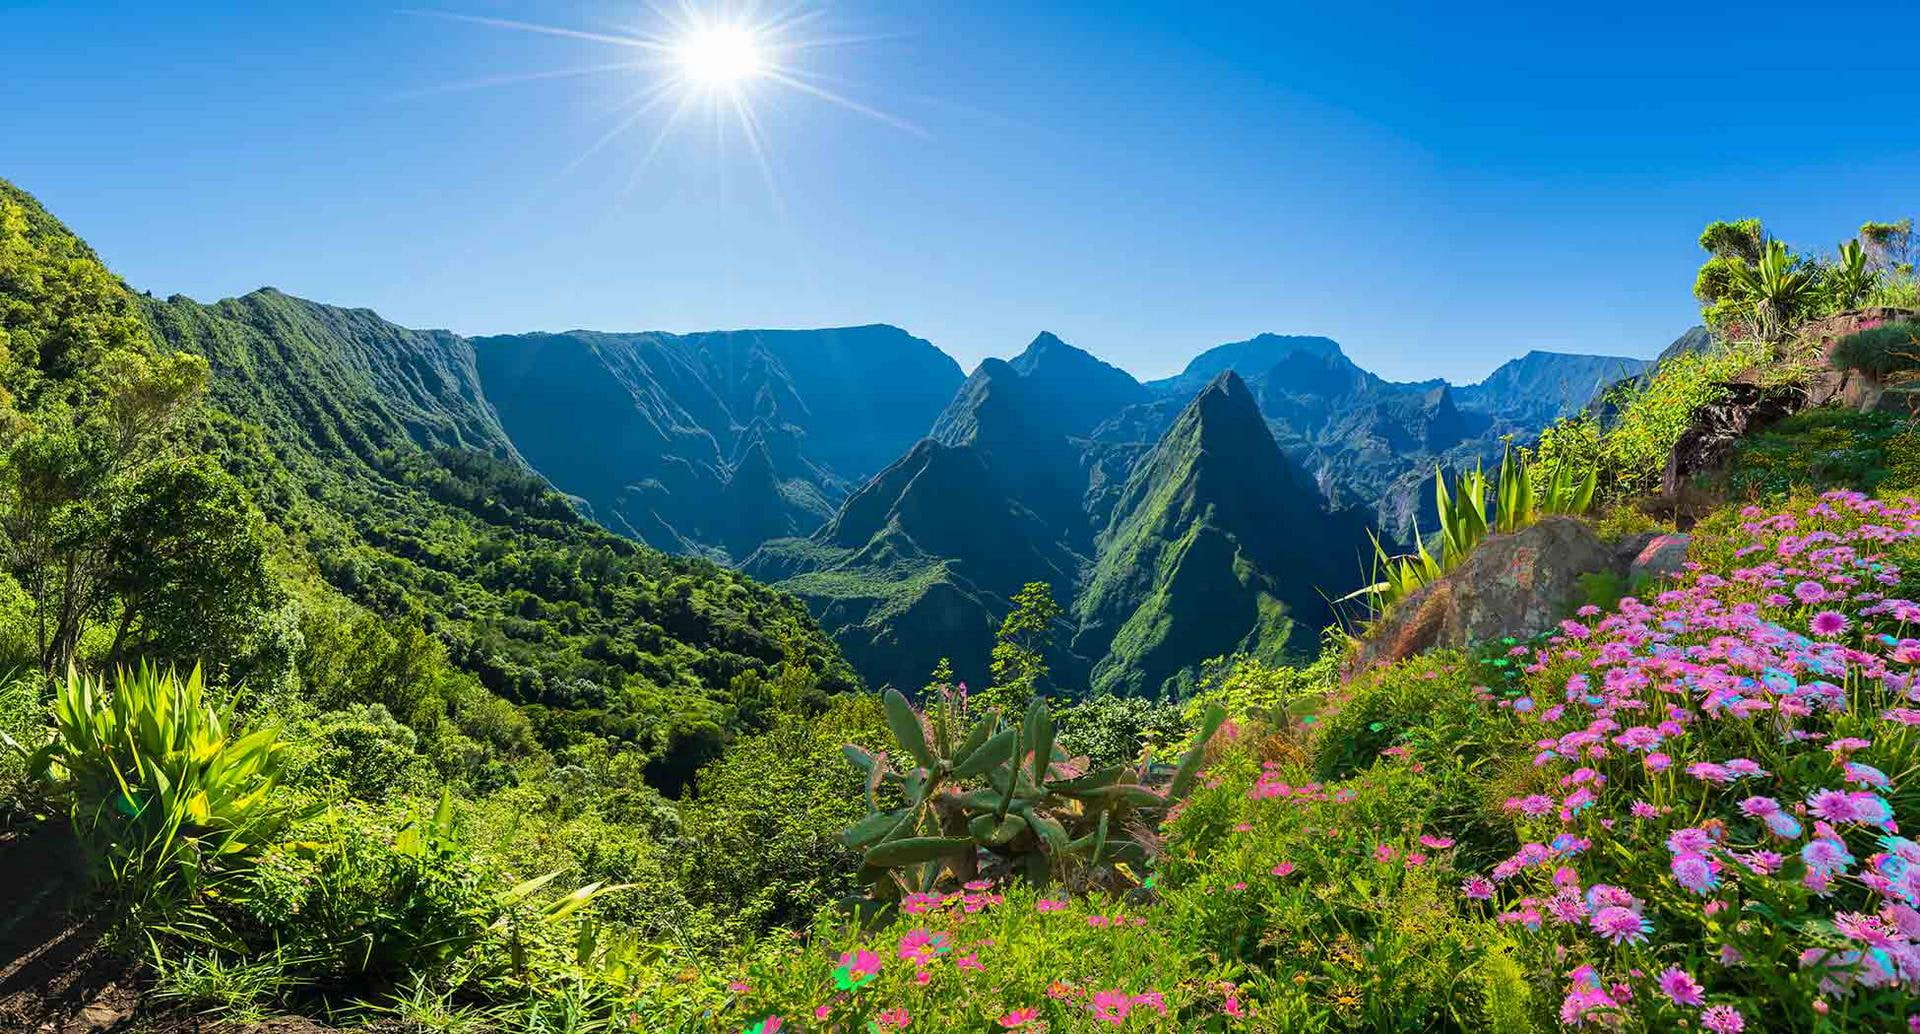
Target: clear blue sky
<point>1439,190</point>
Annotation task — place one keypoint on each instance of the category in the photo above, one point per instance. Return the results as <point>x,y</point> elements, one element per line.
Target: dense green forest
<point>327,706</point>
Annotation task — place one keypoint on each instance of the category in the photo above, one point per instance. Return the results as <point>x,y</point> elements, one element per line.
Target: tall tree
<point>1019,662</point>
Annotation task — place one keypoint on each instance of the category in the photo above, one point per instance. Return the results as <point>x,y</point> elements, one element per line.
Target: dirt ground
<point>58,972</point>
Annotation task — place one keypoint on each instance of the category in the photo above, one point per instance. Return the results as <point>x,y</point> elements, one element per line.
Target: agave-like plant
<point>1774,290</point>
<point>164,795</point>
<point>1519,501</point>
<point>1853,277</point>
<point>971,788</point>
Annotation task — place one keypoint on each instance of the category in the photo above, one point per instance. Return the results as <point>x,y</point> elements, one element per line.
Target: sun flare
<point>701,58</point>
<point>721,55</point>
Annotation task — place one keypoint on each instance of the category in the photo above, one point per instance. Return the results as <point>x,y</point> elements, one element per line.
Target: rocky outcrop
<point>1716,427</point>
<point>1516,585</point>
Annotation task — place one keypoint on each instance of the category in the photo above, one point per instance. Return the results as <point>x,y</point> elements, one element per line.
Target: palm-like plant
<point>1774,291</point>
<point>1852,278</point>
<point>1520,500</point>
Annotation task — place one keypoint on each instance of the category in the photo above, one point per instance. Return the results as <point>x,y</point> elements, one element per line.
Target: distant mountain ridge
<point>713,443</point>
<point>1209,512</point>
<point>1201,536</point>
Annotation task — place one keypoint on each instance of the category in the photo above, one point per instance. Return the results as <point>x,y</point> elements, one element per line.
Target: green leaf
<point>904,721</point>
<point>994,751</point>
<point>1039,738</point>
<point>914,850</point>
<point>1190,764</point>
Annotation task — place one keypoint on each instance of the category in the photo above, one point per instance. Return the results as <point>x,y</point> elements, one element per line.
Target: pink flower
<point>895,1018</point>
<point>1434,842</point>
<point>1621,925</point>
<point>1679,985</point>
<point>1383,853</point>
<point>1723,1019</point>
<point>1017,1018</point>
<point>1478,888</point>
<point>970,962</point>
<point>1049,905</point>
<point>1830,623</point>
<point>1111,1006</point>
<point>1283,869</point>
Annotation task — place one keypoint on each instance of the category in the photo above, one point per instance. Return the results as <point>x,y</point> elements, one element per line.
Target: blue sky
<point>1437,189</point>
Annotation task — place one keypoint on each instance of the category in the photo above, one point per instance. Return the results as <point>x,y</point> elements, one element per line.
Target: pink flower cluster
<point>1799,666</point>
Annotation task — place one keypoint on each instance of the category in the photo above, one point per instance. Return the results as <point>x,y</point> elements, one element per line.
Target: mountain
<point>1057,467</point>
<point>712,443</point>
<point>1217,545</point>
<point>921,562</point>
<point>1373,443</point>
<point>375,454</point>
<point>1248,358</point>
<point>1541,387</point>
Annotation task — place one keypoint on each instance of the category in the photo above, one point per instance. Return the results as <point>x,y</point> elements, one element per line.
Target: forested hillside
<point>407,557</point>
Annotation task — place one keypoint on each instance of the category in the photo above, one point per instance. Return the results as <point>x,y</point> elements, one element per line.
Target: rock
<point>1663,556</point>
<point>1712,430</point>
<point>1898,399</point>
<point>1514,585</point>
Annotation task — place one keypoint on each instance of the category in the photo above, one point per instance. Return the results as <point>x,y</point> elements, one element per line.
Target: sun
<point>720,55</point>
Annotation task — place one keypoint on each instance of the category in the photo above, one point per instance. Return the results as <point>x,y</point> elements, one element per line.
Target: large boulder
<point>1516,585</point>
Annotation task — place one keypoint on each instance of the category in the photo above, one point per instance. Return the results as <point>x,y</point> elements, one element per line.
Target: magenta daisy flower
<point>1829,623</point>
<point>1679,985</point>
<point>1621,925</point>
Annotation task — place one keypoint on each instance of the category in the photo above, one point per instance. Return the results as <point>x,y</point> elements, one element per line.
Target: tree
<point>1889,245</point>
<point>187,564</point>
<point>1019,662</point>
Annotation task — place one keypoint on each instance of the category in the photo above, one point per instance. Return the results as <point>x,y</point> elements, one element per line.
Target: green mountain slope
<point>1216,544</point>
<point>713,443</point>
<point>373,451</point>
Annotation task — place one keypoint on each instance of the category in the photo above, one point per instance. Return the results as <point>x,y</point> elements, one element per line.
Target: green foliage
<point>1277,695</point>
<point>166,797</point>
<point>1887,352</point>
<point>1852,278</point>
<point>760,834</point>
<point>1117,730</point>
<point>1817,450</point>
<point>1631,450</point>
<point>1519,498</point>
<point>1019,663</point>
<point>968,785</point>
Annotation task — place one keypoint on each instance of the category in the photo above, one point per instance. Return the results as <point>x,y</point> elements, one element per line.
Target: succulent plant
<point>968,790</point>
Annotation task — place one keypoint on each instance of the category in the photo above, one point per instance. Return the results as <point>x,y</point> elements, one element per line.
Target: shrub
<point>1118,730</point>
<point>1884,352</point>
<point>167,800</point>
<point>1817,450</point>
<point>969,787</point>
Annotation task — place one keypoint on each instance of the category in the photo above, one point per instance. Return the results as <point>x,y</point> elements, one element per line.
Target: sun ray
<point>546,30</point>
<point>846,102</point>
<point>710,55</point>
<point>524,77</point>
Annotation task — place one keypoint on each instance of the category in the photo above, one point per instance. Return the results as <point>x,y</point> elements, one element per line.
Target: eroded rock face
<point>1515,585</point>
<point>1714,429</point>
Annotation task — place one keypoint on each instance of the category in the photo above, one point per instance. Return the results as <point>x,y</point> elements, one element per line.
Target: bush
<point>168,801</point>
<point>1882,352</point>
<point>1817,450</point>
<point>1116,730</point>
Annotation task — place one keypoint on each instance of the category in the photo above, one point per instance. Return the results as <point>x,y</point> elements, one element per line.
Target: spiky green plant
<point>166,796</point>
<point>1520,500</point>
<point>1851,279</point>
<point>969,786</point>
<point>1774,291</point>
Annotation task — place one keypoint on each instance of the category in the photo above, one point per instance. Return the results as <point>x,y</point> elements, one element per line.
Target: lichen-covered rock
<point>1662,556</point>
<point>1515,584</point>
